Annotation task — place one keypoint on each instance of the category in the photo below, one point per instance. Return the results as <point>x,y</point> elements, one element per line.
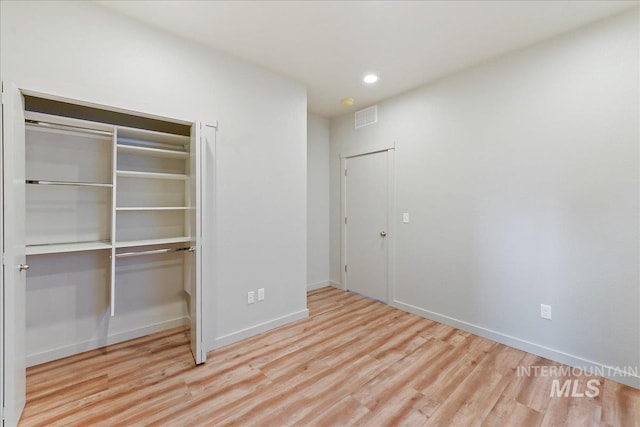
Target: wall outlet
<point>251,297</point>
<point>545,311</point>
<point>261,294</point>
<point>405,217</point>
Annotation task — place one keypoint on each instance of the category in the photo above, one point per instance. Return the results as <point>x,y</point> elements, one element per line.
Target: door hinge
<point>345,172</point>
<point>345,219</point>
<point>345,268</point>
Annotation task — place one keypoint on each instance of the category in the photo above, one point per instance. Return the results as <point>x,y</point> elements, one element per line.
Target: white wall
<point>81,51</point>
<point>521,177</point>
<point>317,201</point>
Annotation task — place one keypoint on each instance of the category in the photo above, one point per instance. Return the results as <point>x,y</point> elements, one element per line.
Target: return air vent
<point>366,117</point>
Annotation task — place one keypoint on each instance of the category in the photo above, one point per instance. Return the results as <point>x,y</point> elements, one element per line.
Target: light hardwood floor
<point>353,362</point>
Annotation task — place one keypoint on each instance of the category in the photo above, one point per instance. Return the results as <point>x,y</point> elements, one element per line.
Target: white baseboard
<point>337,285</point>
<point>520,344</point>
<point>259,328</point>
<point>318,285</point>
<point>69,350</point>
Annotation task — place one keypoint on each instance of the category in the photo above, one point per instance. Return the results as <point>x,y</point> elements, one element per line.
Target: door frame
<point>344,157</point>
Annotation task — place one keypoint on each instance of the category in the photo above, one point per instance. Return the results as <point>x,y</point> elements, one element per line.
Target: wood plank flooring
<point>352,362</point>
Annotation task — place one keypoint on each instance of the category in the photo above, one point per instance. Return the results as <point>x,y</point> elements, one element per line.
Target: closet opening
<point>112,227</point>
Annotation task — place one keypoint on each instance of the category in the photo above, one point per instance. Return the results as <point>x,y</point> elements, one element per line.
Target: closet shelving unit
<point>152,198</point>
<point>69,185</point>
<point>144,179</point>
<point>104,204</point>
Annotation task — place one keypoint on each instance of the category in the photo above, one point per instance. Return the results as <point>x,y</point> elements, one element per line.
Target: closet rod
<point>73,184</point>
<point>153,252</point>
<point>68,127</point>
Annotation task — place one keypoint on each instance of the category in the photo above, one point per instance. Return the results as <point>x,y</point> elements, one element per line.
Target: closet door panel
<point>202,138</point>
<point>14,249</point>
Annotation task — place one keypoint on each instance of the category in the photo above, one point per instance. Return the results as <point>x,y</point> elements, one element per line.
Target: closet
<point>112,227</point>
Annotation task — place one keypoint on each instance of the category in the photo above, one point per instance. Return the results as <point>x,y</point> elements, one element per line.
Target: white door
<point>366,211</point>
<point>193,259</point>
<point>13,248</point>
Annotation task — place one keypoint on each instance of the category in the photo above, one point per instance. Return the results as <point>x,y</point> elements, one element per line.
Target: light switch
<point>405,217</point>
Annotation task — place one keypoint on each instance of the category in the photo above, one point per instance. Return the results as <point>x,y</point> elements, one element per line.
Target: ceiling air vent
<point>366,117</point>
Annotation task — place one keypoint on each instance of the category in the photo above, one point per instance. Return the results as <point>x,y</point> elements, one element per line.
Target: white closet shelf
<point>49,121</point>
<point>154,208</point>
<point>150,135</point>
<point>153,175</point>
<point>69,130</point>
<point>156,152</point>
<point>149,242</point>
<point>67,247</point>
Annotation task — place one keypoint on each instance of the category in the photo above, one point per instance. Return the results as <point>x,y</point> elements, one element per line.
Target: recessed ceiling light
<point>370,78</point>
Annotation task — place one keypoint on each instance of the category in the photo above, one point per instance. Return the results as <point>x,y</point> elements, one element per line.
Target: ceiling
<point>329,45</point>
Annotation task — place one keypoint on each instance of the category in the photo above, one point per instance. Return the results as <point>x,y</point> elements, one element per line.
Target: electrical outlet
<point>405,217</point>
<point>261,294</point>
<point>545,311</point>
<point>251,297</point>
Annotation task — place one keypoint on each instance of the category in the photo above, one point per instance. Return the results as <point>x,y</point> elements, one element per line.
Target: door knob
<point>23,267</point>
<point>383,233</point>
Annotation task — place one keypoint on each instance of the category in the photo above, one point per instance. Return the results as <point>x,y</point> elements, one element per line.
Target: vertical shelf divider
<point>114,182</point>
